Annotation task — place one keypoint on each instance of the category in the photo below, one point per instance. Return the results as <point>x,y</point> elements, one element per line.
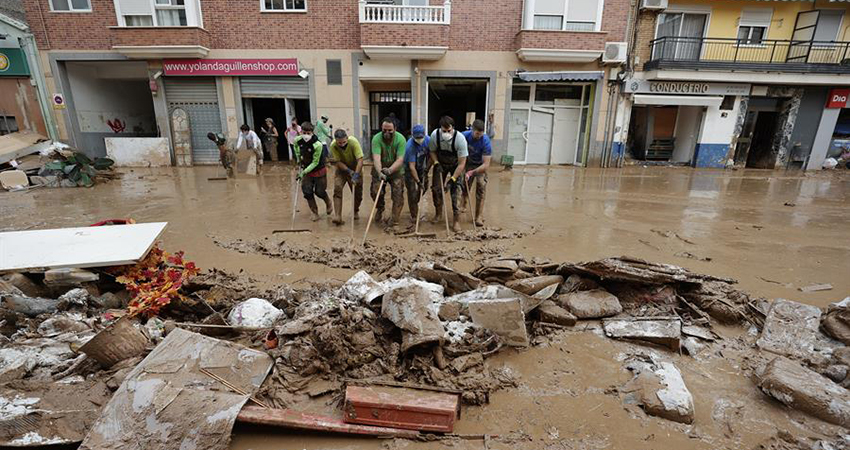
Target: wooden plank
<point>393,407</point>
<point>77,247</point>
<point>287,418</point>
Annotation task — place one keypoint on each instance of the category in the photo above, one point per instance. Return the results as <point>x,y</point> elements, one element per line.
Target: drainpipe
<point>37,77</point>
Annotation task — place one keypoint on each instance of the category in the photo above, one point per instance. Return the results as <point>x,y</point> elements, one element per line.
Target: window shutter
<point>549,7</point>
<point>756,17</point>
<point>334,67</point>
<point>135,7</point>
<point>582,10</point>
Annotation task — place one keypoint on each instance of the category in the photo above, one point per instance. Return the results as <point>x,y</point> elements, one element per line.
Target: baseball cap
<point>418,131</point>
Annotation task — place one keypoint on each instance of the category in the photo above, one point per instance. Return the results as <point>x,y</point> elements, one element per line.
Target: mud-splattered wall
<point>789,109</point>
<point>18,100</point>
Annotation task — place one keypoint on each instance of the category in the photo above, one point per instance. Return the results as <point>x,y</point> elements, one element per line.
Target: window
<point>753,26</point>
<point>565,15</point>
<point>70,5</point>
<point>171,13</point>
<point>284,5</point>
<point>829,22</point>
<point>138,21</point>
<point>684,33</point>
<point>521,92</point>
<point>751,35</point>
<point>334,67</point>
<point>558,94</point>
<point>8,124</point>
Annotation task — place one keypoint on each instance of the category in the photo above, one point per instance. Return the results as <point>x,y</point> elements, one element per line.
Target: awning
<point>586,75</point>
<point>678,100</point>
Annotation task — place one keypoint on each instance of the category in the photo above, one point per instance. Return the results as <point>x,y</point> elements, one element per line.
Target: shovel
<point>294,211</point>
<point>471,204</point>
<point>445,207</point>
<point>416,232</point>
<point>372,215</point>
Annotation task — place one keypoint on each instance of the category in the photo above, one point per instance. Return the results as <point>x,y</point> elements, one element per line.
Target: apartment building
<point>761,84</point>
<point>536,71</point>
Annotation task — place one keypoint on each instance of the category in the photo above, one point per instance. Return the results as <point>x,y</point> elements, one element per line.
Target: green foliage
<point>79,168</point>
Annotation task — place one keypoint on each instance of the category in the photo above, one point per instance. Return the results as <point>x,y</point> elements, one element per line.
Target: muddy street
<point>774,232</point>
<point>737,224</point>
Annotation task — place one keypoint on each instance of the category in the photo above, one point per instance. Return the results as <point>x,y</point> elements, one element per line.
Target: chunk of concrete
<point>69,277</point>
<point>549,312</point>
<point>362,288</point>
<point>530,286</point>
<point>30,306</point>
<point>594,304</point>
<point>495,291</point>
<point>503,316</point>
<point>13,179</point>
<point>805,390</point>
<point>660,389</point>
<point>449,311</point>
<point>790,329</point>
<point>666,332</point>
<point>412,308</point>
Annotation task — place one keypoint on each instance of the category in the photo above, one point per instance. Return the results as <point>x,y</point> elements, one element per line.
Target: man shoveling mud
<point>417,157</point>
<point>448,153</point>
<point>348,158</point>
<point>388,158</point>
<point>225,155</point>
<point>480,152</point>
<point>313,175</point>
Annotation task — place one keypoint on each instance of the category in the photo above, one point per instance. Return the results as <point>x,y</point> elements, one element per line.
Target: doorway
<point>282,111</point>
<point>393,104</point>
<point>462,99</point>
<point>761,154</point>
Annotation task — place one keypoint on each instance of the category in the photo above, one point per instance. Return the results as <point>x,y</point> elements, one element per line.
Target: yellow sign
<point>4,62</point>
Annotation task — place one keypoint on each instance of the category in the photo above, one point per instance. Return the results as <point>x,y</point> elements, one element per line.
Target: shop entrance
<point>392,104</point>
<point>281,111</point>
<point>665,133</point>
<point>763,130</point>
<point>462,99</point>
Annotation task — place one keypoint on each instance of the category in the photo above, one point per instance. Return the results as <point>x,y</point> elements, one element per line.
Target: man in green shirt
<point>310,157</point>
<point>322,131</point>
<point>348,159</point>
<point>388,157</point>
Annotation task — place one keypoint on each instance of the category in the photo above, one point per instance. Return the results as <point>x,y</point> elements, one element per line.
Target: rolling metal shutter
<point>275,87</point>
<point>198,96</point>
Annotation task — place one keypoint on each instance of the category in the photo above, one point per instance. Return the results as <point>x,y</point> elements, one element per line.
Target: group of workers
<point>457,160</point>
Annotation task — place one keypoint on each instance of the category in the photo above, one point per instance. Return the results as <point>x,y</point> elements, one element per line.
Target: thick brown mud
<point>733,224</point>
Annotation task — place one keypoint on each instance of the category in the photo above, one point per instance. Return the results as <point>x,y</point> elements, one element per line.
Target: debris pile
<point>51,164</point>
<point>154,342</point>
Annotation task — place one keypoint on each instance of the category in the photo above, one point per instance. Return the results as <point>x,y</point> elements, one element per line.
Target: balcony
<point>390,31</point>
<point>810,57</point>
<point>560,46</point>
<point>161,42</point>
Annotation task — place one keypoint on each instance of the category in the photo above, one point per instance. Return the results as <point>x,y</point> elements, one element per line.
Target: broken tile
<point>666,332</point>
<point>504,317</point>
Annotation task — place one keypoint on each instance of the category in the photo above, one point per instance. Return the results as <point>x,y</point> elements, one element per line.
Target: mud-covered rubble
<point>434,326</point>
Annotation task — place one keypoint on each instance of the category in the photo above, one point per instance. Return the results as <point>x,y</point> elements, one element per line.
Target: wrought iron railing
<point>381,12</point>
<point>748,51</point>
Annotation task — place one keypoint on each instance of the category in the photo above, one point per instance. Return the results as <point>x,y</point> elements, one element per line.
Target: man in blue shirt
<point>480,153</point>
<point>416,159</point>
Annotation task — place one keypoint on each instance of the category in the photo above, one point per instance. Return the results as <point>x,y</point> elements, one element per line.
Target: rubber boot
<point>479,212</point>
<point>456,225</point>
<point>337,220</point>
<point>314,209</point>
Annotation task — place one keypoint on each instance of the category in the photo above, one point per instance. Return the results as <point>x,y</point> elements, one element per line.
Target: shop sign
<point>230,67</point>
<point>13,63</point>
<point>640,86</point>
<point>838,98</point>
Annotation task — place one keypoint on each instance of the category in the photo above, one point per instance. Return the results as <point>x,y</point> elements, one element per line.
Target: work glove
<point>385,173</point>
<point>450,183</point>
<point>300,176</point>
<point>355,177</point>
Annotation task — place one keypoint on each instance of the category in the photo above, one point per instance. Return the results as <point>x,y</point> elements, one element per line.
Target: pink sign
<point>230,67</point>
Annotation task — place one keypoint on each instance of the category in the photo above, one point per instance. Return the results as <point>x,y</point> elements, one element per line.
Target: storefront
<point>550,118</point>
<point>692,123</point>
<point>833,135</point>
<point>257,89</point>
<point>19,106</point>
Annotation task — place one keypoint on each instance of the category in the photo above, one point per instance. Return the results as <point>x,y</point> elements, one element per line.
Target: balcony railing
<point>765,54</point>
<point>380,12</point>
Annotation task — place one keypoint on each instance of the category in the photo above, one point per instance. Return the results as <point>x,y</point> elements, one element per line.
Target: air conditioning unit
<point>615,52</point>
<point>653,4</point>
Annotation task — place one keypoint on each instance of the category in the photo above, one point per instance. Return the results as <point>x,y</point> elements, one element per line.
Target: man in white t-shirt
<point>448,154</point>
